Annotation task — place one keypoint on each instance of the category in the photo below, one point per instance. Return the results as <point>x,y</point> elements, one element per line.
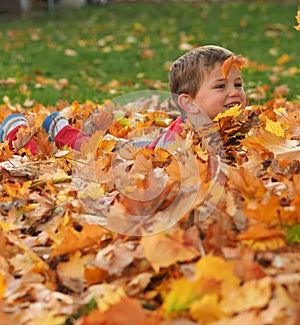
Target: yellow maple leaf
<point>207,309</point>
<point>93,190</point>
<point>185,292</point>
<point>16,190</point>
<point>233,112</point>
<point>275,128</point>
<point>209,267</point>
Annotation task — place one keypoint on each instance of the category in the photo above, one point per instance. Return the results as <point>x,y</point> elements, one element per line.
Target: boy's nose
<point>233,91</point>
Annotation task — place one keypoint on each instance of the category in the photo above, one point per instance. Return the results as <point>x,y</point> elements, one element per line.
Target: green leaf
<point>86,309</point>
<point>292,233</point>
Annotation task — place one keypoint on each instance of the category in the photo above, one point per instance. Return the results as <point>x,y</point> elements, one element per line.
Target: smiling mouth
<point>232,104</point>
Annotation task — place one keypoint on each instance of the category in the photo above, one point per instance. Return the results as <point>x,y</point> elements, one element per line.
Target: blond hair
<point>188,71</point>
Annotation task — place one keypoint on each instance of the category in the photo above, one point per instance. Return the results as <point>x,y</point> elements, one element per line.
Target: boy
<point>203,83</point>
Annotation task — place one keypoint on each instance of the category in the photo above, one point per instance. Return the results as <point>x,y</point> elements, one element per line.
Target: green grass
<point>109,42</point>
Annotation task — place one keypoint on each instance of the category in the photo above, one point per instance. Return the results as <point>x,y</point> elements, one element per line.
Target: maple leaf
<point>71,273</point>
<point>16,190</point>
<point>24,135</point>
<point>249,186</point>
<point>5,152</point>
<point>74,240</point>
<point>118,314</point>
<point>231,112</point>
<point>237,61</point>
<point>260,237</point>
<point>252,294</point>
<point>44,146</point>
<point>165,249</point>
<point>283,149</point>
<point>182,295</point>
<point>275,128</point>
<point>207,309</point>
<point>89,148</point>
<point>209,267</point>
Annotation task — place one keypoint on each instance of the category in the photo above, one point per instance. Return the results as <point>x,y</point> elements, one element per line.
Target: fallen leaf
<point>252,294</point>
<point>75,240</point>
<point>127,311</point>
<point>182,295</point>
<point>164,249</point>
<point>70,52</point>
<point>275,128</point>
<point>207,309</point>
<point>209,267</point>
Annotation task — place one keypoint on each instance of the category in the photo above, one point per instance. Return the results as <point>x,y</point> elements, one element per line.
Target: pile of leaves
<point>63,264</point>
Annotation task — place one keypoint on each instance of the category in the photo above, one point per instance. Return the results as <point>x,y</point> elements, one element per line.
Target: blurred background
<point>67,50</point>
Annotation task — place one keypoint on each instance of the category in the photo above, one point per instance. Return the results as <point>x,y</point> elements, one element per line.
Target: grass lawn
<point>101,52</point>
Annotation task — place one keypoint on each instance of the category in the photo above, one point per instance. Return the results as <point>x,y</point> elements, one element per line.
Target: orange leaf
<point>75,240</point>
<point>23,137</point>
<point>261,238</point>
<point>118,130</point>
<point>127,311</point>
<point>260,231</point>
<point>2,285</point>
<point>284,59</point>
<point>5,152</point>
<point>94,275</point>
<point>42,140</point>
<point>237,61</point>
<point>246,183</point>
<point>165,249</point>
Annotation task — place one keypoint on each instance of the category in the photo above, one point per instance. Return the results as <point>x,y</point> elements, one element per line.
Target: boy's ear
<point>186,103</point>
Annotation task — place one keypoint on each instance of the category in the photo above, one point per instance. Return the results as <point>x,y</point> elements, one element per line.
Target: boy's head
<point>197,80</point>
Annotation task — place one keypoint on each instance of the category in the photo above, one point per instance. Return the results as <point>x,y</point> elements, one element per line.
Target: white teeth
<point>231,105</point>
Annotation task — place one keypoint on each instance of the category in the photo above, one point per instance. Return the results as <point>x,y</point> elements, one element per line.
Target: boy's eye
<point>220,86</point>
<point>239,85</point>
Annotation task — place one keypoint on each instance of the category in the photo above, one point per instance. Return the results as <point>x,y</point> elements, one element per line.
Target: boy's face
<point>217,94</point>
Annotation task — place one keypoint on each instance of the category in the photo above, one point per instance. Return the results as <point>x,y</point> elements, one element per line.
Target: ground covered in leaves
<point>239,264</point>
